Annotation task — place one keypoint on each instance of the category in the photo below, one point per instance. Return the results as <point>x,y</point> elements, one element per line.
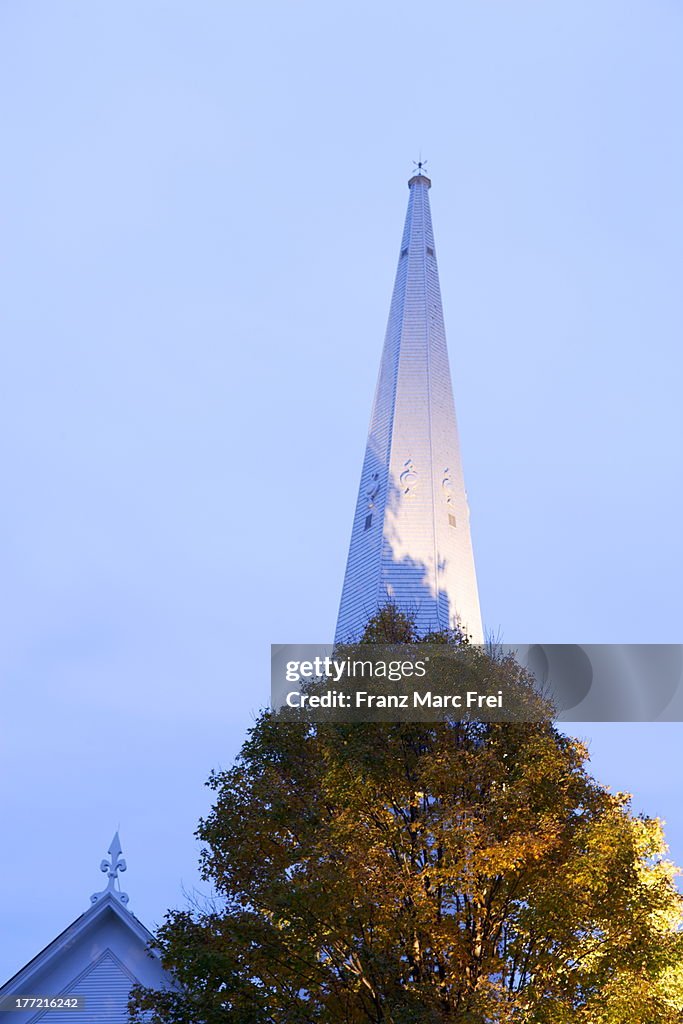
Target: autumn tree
<point>442,872</point>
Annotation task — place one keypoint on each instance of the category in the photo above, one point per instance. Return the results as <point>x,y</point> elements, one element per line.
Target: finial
<point>112,867</point>
<point>420,166</point>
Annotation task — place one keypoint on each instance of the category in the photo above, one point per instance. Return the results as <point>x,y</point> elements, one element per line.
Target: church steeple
<point>410,541</point>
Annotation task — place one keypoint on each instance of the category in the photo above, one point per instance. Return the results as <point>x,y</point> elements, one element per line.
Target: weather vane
<point>420,165</point>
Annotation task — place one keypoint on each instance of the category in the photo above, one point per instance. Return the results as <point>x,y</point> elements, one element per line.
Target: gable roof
<point>99,957</point>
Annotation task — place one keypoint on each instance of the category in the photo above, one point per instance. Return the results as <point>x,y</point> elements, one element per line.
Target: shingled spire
<point>411,541</point>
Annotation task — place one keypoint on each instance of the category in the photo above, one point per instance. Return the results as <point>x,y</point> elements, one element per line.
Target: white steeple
<point>411,542</point>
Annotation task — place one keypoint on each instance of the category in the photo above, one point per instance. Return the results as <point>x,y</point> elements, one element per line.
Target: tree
<point>435,872</point>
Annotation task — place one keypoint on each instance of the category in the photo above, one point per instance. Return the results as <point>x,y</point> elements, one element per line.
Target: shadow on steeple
<point>401,581</point>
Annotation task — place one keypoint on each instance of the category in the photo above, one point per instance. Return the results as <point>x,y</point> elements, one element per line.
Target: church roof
<point>98,957</point>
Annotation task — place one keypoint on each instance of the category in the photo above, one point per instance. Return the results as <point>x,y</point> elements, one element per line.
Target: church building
<point>91,967</point>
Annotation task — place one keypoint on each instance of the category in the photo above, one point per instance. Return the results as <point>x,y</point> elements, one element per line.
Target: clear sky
<point>200,212</point>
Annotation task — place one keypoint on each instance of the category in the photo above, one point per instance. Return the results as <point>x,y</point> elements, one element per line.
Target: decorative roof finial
<point>112,867</point>
<point>420,174</point>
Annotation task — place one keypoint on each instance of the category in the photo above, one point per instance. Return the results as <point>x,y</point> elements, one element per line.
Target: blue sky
<point>201,208</point>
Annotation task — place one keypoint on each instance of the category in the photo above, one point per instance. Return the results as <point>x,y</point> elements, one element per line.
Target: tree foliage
<point>452,871</point>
